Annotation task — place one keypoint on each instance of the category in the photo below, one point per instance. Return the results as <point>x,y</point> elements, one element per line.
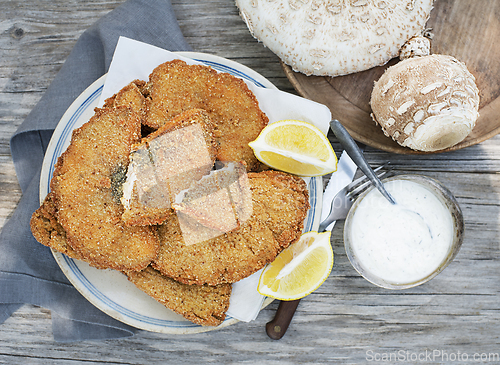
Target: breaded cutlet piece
<point>204,305</point>
<point>167,161</point>
<point>201,304</point>
<point>175,87</point>
<point>280,204</point>
<point>86,187</point>
<point>217,203</point>
<point>47,230</point>
<point>282,201</point>
<point>130,95</point>
<point>227,258</point>
<point>208,204</point>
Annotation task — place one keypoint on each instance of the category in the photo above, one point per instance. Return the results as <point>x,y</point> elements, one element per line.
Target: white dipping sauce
<point>405,242</point>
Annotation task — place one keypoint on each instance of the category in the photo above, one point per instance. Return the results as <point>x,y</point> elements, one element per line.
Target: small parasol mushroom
<point>334,37</point>
<point>426,102</point>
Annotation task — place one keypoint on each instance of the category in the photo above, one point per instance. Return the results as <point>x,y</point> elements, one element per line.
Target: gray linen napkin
<point>28,271</point>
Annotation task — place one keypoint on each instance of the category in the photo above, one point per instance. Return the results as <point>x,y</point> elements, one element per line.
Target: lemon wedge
<point>295,147</point>
<point>299,269</point>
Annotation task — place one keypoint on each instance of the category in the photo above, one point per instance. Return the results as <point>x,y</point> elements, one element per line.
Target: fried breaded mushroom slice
<point>201,304</point>
<point>130,95</point>
<point>47,230</point>
<point>175,87</point>
<point>280,203</point>
<point>85,186</point>
<point>227,258</point>
<point>166,162</point>
<point>217,203</point>
<point>204,305</point>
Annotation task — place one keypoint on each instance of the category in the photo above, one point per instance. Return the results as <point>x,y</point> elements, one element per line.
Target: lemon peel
<point>295,147</point>
<point>299,269</point>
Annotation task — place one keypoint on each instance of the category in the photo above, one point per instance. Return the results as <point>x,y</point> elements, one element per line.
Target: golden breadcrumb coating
<point>88,205</point>
<point>280,204</point>
<point>204,305</point>
<point>175,87</point>
<point>166,162</point>
<point>111,189</point>
<point>201,304</point>
<point>47,230</point>
<point>282,201</point>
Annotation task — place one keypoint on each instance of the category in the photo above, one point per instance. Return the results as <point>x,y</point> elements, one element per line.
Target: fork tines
<point>358,186</point>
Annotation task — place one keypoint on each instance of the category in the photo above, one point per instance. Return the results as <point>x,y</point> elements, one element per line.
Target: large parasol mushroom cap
<point>334,37</point>
<point>426,103</point>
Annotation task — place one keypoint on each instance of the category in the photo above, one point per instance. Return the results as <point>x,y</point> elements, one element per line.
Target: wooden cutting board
<point>466,29</point>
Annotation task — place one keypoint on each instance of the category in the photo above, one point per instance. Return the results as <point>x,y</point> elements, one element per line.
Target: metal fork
<point>344,199</point>
<point>341,204</point>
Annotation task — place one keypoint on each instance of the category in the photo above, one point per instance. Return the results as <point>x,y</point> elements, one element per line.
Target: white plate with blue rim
<point>109,290</point>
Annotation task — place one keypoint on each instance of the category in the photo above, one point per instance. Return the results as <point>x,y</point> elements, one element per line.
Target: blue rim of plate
<point>71,269</point>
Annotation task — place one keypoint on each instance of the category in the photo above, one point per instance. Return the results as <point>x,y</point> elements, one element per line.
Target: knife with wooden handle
<point>278,326</point>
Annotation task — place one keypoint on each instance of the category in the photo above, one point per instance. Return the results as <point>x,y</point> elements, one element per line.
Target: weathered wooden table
<point>454,318</point>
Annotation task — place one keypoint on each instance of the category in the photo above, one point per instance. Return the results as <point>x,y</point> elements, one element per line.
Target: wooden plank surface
<point>347,320</point>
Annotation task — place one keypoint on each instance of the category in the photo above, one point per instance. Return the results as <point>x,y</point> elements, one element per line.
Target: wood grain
<point>347,320</point>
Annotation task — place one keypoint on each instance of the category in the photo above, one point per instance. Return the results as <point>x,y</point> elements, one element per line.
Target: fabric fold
<point>28,271</point>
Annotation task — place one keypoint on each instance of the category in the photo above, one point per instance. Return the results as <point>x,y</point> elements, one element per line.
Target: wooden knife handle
<point>278,326</point>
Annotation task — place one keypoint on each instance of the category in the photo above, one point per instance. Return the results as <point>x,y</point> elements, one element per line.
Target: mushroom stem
<point>415,47</point>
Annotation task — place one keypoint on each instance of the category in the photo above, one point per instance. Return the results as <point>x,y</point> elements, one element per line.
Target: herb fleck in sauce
<point>401,243</point>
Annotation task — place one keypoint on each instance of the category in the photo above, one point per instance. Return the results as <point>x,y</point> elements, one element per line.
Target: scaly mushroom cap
<point>334,37</point>
<point>426,103</point>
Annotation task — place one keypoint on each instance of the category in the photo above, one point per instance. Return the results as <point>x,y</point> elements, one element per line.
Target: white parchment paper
<point>136,60</point>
